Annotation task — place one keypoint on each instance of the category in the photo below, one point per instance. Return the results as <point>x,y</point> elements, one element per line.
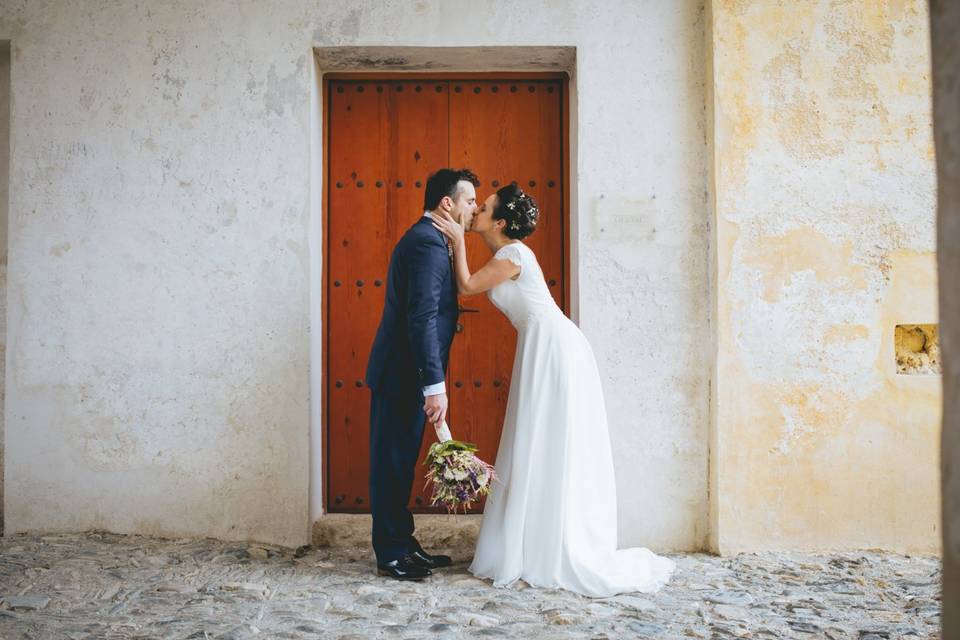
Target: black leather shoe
<point>403,569</point>
<point>424,559</point>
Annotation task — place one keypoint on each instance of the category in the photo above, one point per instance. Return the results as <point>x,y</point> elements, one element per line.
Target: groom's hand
<point>436,408</point>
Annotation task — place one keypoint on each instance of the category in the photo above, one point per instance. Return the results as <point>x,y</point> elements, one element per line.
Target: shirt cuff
<point>434,389</point>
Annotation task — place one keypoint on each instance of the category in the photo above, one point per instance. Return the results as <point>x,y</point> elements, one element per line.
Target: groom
<point>407,368</point>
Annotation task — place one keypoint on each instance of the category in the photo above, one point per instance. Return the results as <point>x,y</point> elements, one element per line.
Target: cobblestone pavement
<point>99,585</point>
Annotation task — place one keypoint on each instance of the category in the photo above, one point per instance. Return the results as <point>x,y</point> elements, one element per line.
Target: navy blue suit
<point>410,352</point>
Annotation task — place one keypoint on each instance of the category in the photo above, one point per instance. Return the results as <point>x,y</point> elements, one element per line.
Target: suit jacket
<point>420,312</point>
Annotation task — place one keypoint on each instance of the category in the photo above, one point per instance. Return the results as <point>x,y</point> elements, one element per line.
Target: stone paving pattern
<point>101,585</point>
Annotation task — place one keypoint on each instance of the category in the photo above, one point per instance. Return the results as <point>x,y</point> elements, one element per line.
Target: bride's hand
<point>449,227</point>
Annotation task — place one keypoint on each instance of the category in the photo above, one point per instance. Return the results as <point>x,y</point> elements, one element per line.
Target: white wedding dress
<point>552,519</point>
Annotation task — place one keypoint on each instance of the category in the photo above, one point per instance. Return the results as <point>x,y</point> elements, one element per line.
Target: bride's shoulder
<point>511,252</point>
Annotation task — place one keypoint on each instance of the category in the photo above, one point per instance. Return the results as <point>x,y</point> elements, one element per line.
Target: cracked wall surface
<point>159,323</point>
<point>824,184</point>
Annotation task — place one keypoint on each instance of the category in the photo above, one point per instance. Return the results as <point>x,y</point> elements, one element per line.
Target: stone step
<point>435,532</point>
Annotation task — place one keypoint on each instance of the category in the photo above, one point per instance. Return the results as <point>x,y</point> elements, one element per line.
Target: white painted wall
<point>160,236</point>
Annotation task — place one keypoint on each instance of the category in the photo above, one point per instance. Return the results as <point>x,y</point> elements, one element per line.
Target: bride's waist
<point>539,315</point>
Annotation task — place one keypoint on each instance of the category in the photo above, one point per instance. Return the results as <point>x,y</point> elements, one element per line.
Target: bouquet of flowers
<point>459,477</point>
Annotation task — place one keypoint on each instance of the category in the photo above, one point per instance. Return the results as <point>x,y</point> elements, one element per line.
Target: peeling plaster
<point>825,239</point>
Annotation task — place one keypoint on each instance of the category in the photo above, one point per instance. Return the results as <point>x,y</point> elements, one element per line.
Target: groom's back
<point>391,362</point>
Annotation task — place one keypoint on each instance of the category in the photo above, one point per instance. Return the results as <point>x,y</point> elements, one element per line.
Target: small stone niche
<point>918,349</point>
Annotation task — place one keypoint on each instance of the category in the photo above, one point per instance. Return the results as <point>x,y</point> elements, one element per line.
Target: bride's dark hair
<point>518,210</point>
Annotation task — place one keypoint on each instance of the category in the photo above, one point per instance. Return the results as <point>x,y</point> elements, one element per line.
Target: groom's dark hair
<point>444,183</point>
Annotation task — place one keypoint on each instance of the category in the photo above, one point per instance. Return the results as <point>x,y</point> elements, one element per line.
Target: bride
<point>552,520</point>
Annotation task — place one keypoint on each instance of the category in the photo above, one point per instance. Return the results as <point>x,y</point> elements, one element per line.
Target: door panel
<point>383,139</point>
<point>396,132</point>
<point>504,131</point>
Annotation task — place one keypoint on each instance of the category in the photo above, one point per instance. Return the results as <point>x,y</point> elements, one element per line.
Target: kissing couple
<point>552,519</point>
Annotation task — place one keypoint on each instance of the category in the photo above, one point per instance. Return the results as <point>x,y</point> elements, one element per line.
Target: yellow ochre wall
<point>823,185</point>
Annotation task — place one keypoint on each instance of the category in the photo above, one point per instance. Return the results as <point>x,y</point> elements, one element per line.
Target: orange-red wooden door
<point>384,138</point>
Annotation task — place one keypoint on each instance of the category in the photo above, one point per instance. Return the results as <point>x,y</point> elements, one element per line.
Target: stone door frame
<point>416,61</point>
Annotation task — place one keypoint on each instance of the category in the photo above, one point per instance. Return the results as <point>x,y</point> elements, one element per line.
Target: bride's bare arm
<point>489,276</point>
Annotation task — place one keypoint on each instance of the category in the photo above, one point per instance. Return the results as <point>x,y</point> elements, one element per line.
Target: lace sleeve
<point>509,252</point>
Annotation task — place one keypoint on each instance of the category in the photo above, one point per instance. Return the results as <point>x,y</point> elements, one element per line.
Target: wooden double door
<point>385,136</point>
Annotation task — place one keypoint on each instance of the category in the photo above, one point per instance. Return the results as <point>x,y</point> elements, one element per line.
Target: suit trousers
<point>396,433</point>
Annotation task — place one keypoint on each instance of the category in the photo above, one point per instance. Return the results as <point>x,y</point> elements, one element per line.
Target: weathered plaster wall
<point>824,188</point>
<point>944,25</point>
<point>158,287</point>
<point>643,272</point>
<point>160,277</point>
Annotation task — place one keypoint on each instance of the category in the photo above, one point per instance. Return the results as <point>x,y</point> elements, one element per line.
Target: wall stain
<point>778,258</point>
<point>824,244</point>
